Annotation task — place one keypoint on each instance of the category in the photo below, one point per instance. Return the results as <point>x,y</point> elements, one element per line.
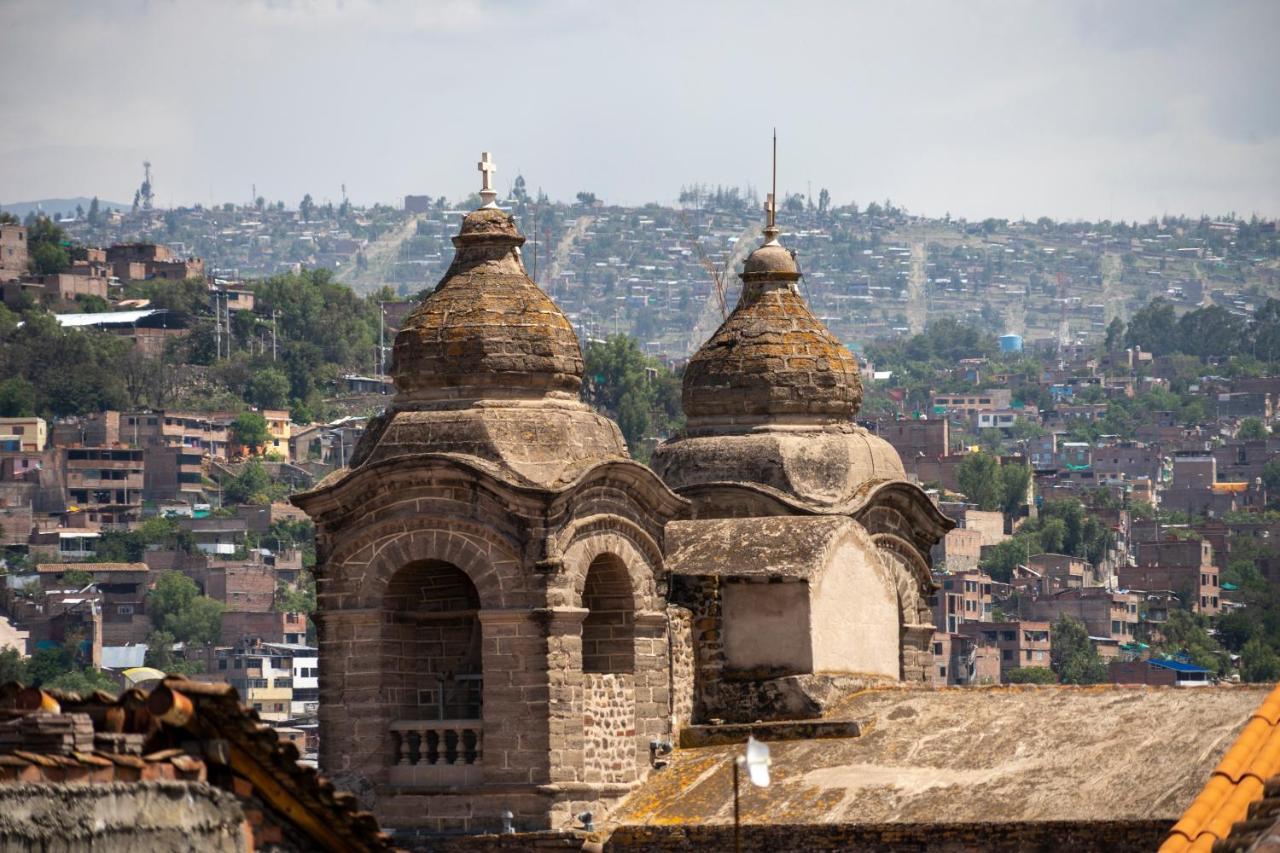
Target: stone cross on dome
<point>487,193</point>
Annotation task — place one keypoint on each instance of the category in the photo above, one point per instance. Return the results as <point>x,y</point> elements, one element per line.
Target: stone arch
<point>913,580</point>
<point>608,629</point>
<point>599,539</point>
<point>363,568</point>
<point>431,645</point>
<point>622,651</point>
<point>912,575</point>
<point>431,674</point>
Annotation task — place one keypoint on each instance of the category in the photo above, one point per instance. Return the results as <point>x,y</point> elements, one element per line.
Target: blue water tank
<point>1011,343</point>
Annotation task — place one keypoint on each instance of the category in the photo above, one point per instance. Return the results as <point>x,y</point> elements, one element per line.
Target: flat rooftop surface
<point>961,755</point>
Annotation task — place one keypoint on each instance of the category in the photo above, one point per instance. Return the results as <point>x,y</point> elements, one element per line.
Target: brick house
<point>1111,617</point>
<point>1183,566</point>
<point>1020,644</point>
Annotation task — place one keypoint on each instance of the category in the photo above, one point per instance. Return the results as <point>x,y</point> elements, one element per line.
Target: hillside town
<point>1114,497</point>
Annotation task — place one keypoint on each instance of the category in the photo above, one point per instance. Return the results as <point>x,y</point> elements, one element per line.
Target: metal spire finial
<point>771,205</point>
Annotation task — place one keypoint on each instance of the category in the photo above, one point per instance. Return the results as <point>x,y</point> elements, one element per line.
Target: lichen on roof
<point>972,754</point>
<point>781,547</point>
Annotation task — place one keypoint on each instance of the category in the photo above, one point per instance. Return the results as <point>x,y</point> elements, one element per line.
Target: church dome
<point>486,331</point>
<point>772,359</point>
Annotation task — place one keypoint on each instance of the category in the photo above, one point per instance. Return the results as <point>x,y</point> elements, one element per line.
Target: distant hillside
<point>58,205</point>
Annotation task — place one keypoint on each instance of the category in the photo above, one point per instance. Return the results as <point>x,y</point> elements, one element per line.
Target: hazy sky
<point>1100,109</point>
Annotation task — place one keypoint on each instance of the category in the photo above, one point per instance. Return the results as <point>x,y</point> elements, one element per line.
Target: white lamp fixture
<point>757,762</point>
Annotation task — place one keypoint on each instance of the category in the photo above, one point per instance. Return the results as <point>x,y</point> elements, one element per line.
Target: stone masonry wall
<point>609,727</point>
<point>1046,836</point>
<point>121,818</point>
<point>680,622</point>
<point>702,597</point>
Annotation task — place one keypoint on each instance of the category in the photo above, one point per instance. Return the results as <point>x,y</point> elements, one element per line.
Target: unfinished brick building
<point>511,610</point>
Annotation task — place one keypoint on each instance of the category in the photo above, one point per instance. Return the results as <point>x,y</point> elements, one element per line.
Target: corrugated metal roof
<point>124,657</point>
<point>106,317</point>
<point>1177,665</point>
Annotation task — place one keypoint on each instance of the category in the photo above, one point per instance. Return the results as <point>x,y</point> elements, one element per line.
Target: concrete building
<point>1061,571</point>
<point>204,434</point>
<point>916,438</point>
<point>1020,644</point>
<point>967,405</point>
<point>1182,566</point>
<point>13,252</point>
<point>961,597</point>
<point>23,435</point>
<point>105,483</point>
<point>135,261</point>
<point>1108,616</point>
<point>959,660</point>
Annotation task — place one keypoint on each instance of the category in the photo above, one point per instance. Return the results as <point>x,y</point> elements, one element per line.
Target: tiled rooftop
<point>182,731</point>
<point>1239,807</point>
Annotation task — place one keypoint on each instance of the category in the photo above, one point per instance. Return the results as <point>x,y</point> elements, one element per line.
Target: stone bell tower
<point>491,591</point>
<point>771,445</point>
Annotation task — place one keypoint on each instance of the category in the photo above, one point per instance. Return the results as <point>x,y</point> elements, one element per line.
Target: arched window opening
<point>432,664</point>
<point>608,631</point>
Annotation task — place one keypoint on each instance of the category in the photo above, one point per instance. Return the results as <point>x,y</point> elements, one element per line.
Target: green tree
<point>48,258</point>
<point>177,607</point>
<point>95,212</point>
<point>46,247</point>
<point>12,666</point>
<point>1001,559</point>
<point>1115,334</point>
<point>1153,327</point>
<point>1259,662</point>
<point>1252,428</point>
<point>48,664</point>
<point>73,371</point>
<point>249,429</point>
<point>1211,331</point>
<point>979,479</point>
<point>1015,480</point>
<point>1187,633</point>
<point>200,623</point>
<point>298,598</point>
<point>1271,475</point>
<point>173,592</point>
<point>1235,629</point>
<point>1031,675</point>
<point>269,389</point>
<point>76,579</point>
<point>251,486</point>
<point>1073,655</point>
<point>82,681</point>
<point>160,651</point>
<point>632,388</point>
<point>17,398</point>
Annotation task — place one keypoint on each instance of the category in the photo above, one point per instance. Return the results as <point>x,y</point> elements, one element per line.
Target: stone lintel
<point>503,616</point>
<point>563,620</point>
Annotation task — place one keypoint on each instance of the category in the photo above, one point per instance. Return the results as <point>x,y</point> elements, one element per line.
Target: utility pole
<point>382,340</point>
<point>274,317</point>
<point>217,328</point>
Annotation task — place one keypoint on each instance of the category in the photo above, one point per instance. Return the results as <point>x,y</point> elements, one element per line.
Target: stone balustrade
<point>435,753</point>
